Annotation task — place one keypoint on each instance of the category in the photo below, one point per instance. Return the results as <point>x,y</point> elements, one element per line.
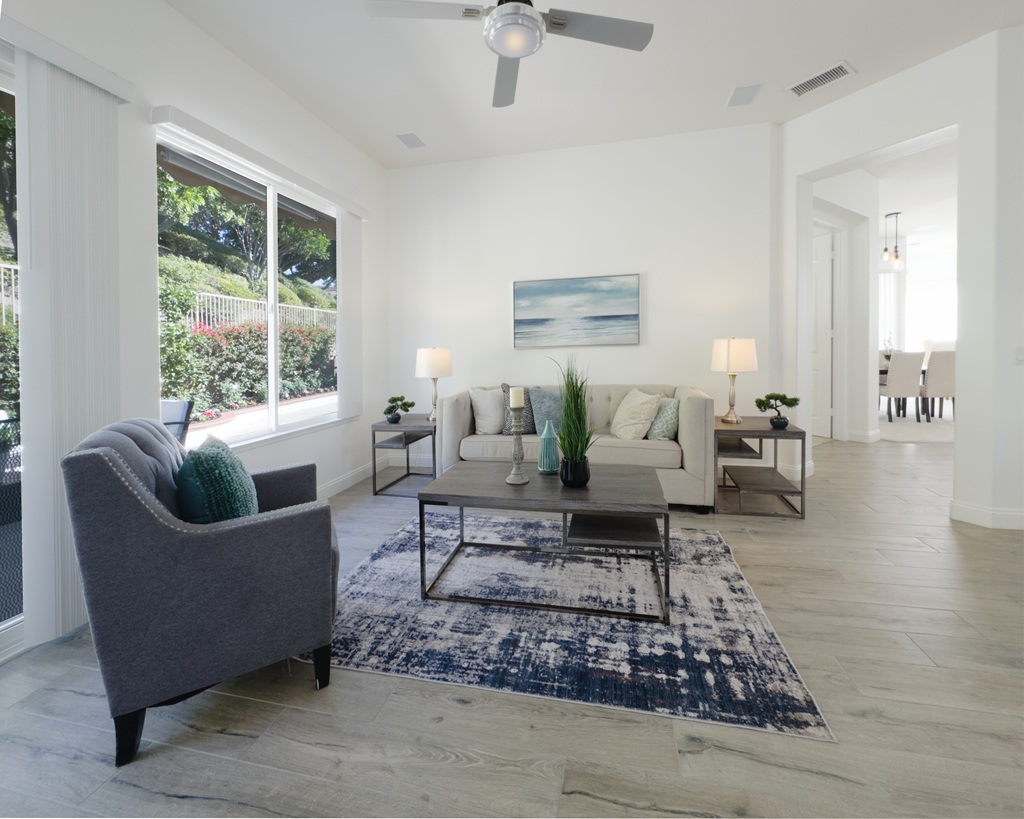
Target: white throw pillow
<point>634,415</point>
<point>488,410</point>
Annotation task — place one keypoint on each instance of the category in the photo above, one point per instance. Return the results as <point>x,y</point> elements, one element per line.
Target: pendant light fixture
<point>897,262</point>
<point>885,250</point>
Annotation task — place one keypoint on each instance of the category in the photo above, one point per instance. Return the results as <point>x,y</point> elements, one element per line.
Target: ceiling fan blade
<point>596,29</point>
<point>505,82</point>
<point>424,10</point>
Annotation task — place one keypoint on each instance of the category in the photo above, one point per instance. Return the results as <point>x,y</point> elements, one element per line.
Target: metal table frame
<point>411,428</point>
<point>627,534</point>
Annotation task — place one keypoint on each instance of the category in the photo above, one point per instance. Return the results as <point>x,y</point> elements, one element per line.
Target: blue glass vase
<point>547,461</point>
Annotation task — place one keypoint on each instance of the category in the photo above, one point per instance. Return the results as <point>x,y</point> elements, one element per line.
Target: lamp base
<point>731,417</point>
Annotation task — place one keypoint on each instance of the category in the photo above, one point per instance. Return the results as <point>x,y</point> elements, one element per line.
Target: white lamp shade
<point>734,355</point>
<point>433,362</point>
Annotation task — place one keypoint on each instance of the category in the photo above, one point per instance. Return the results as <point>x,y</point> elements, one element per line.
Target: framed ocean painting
<point>595,310</point>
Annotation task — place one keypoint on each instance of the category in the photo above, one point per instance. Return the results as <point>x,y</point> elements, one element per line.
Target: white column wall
<point>980,93</point>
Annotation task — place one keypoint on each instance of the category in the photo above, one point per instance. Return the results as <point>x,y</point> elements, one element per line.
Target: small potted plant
<point>775,401</point>
<point>396,405</point>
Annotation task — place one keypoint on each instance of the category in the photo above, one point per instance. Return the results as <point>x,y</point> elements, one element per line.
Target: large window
<point>11,593</point>
<point>248,306</point>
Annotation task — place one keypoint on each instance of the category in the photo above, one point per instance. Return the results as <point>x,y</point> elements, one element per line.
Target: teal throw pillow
<point>547,406</point>
<point>665,425</point>
<point>213,484</point>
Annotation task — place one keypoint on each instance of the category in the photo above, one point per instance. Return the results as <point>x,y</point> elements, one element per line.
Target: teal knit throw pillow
<point>665,425</point>
<point>213,484</point>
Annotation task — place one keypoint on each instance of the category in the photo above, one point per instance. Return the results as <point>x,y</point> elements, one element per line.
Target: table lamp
<point>433,363</point>
<point>733,355</point>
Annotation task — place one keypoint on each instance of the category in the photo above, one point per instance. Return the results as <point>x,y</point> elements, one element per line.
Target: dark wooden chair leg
<point>929,411</point>
<point>322,666</point>
<point>128,735</point>
<point>888,408</point>
<point>917,409</point>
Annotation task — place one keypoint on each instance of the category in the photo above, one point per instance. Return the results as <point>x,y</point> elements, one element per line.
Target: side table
<point>411,428</point>
<point>731,441</point>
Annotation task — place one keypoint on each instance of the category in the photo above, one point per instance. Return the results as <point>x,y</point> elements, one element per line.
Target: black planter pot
<point>574,474</point>
<point>778,422</point>
<point>394,417</point>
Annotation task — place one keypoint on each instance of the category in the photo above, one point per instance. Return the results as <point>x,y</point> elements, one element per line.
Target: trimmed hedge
<point>10,372</point>
<point>233,362</point>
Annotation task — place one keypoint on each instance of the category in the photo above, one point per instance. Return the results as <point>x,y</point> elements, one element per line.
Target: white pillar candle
<point>515,397</point>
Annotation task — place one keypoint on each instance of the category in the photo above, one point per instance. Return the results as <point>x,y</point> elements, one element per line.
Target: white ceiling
<point>371,78</point>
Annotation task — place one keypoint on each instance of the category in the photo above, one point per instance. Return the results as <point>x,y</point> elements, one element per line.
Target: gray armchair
<point>176,607</point>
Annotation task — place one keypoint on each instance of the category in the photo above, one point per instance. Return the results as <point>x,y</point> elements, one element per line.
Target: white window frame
<point>179,132</point>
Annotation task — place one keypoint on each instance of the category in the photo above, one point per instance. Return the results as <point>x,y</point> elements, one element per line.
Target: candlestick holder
<point>517,476</point>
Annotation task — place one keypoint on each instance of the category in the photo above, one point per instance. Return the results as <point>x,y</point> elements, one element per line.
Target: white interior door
<point>823,271</point>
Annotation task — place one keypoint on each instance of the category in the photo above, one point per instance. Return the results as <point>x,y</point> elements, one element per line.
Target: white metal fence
<point>10,308</point>
<point>212,309</point>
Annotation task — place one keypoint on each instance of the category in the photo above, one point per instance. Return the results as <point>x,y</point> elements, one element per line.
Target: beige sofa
<point>685,465</point>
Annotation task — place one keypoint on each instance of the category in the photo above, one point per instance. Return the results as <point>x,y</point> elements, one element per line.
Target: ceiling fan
<point>514,29</point>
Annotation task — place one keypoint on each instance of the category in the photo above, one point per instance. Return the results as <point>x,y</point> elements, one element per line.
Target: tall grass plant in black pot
<point>575,435</point>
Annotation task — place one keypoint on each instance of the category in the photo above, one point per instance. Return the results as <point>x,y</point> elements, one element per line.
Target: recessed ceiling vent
<point>830,75</point>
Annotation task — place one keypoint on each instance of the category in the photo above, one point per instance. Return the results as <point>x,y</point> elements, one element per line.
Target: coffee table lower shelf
<point>586,535</point>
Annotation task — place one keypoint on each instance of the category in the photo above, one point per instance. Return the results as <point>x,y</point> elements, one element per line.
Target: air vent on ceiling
<point>411,140</point>
<point>743,95</point>
<point>830,75</point>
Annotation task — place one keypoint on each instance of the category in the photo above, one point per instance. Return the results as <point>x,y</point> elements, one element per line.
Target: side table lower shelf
<point>761,480</point>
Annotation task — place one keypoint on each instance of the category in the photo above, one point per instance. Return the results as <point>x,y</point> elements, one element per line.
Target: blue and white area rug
<point>719,659</point>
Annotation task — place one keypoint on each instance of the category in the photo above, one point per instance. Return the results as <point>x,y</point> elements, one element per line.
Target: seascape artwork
<point>595,310</point>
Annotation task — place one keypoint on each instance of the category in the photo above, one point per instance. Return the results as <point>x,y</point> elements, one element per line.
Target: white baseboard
<point>12,640</point>
<point>989,518</point>
<point>864,437</point>
<point>343,482</point>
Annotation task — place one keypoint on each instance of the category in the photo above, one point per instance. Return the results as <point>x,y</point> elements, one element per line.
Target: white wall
<point>165,60</point>
<point>171,62</point>
<point>690,213</point>
<point>982,88</point>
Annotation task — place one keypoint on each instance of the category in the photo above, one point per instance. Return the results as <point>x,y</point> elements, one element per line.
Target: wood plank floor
<point>907,628</point>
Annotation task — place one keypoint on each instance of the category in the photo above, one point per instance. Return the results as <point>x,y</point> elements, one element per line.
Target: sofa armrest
<point>285,486</point>
<point>454,422</point>
<point>697,431</point>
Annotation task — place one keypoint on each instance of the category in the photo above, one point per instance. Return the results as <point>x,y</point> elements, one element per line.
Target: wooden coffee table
<point>617,514</point>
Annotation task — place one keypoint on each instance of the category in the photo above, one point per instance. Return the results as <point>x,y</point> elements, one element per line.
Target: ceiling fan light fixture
<point>514,30</point>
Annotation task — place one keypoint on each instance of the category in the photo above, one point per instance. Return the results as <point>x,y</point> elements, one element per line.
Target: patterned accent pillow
<point>665,425</point>
<point>547,406</point>
<point>213,484</point>
<point>529,427</point>
<point>634,415</point>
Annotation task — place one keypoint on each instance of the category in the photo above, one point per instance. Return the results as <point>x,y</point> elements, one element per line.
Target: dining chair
<point>903,381</point>
<point>939,382</point>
